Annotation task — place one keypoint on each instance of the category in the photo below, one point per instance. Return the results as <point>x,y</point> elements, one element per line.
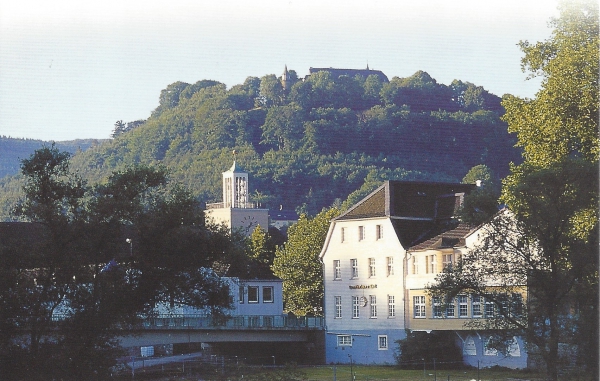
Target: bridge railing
<point>245,322</point>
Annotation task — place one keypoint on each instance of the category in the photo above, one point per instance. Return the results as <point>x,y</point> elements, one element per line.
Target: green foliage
<point>101,257</point>
<point>482,203</point>
<point>562,120</point>
<point>297,264</point>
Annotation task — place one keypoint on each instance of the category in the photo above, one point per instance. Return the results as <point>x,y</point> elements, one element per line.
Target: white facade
<point>378,259</point>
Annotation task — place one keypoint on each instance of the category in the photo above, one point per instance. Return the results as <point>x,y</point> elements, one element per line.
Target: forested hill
<point>311,141</point>
<point>13,150</point>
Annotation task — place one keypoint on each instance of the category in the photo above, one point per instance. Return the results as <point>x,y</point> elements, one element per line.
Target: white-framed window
<point>344,340</point>
<point>373,303</point>
<point>419,306</point>
<point>390,266</point>
<point>355,307</point>
<point>382,342</point>
<point>450,310</point>
<point>338,307</point>
<point>489,309</point>
<point>437,307</point>
<point>415,265</point>
<point>343,234</point>
<point>241,295</point>
<point>391,306</point>
<point>268,294</point>
<point>516,308</point>
<point>354,267</point>
<point>463,307</point>
<point>371,267</point>
<point>430,266</point>
<point>337,269</point>
<point>447,260</point>
<point>361,233</point>
<point>476,306</point>
<point>378,232</point>
<point>252,294</point>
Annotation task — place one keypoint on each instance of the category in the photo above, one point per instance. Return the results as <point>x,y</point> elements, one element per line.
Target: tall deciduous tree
<point>77,264</point>
<point>297,264</point>
<point>550,240</point>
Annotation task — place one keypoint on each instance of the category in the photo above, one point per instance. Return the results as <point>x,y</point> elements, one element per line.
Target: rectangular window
<point>463,308</point>
<point>382,342</point>
<point>252,294</point>
<point>354,266</point>
<point>379,232</point>
<point>430,266</point>
<point>476,306</point>
<point>516,308</point>
<point>241,294</point>
<point>361,233</point>
<point>337,269</point>
<point>355,307</point>
<point>344,341</point>
<point>489,309</point>
<point>450,309</point>
<point>447,261</point>
<point>415,265</point>
<point>373,302</point>
<point>267,294</point>
<point>390,266</point>
<point>343,234</point>
<point>391,306</point>
<point>419,306</point>
<point>371,267</point>
<point>437,307</point>
<point>338,307</point>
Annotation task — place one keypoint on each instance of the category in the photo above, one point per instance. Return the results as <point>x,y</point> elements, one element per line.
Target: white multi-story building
<point>378,258</point>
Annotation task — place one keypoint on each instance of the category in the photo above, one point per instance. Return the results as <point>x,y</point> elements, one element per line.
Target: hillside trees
<point>549,239</point>
<point>297,264</point>
<point>77,264</point>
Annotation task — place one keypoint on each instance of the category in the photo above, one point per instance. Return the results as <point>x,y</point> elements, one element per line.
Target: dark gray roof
<point>418,210</point>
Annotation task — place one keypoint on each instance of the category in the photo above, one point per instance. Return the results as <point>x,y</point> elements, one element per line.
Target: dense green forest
<point>310,142</point>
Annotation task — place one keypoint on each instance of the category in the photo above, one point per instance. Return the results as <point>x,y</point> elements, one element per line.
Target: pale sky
<point>71,69</point>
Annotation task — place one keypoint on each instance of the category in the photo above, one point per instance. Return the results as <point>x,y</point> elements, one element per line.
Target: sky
<point>69,69</point>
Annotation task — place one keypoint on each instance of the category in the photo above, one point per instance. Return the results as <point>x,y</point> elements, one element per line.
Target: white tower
<point>235,188</point>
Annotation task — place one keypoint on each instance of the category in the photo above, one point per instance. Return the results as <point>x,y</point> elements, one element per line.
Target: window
<point>337,269</point>
<point>361,233</point>
<point>354,266</point>
<point>450,309</point>
<point>344,340</point>
<point>463,308</point>
<point>430,266</point>
<point>391,306</point>
<point>373,302</point>
<point>343,234</point>
<point>390,266</point>
<point>371,267</point>
<point>252,294</point>
<point>516,308</point>
<point>415,265</point>
<point>267,294</point>
<point>489,309</point>
<point>382,342</point>
<point>338,307</point>
<point>355,307</point>
<point>437,307</point>
<point>241,294</point>
<point>476,306</point>
<point>379,232</point>
<point>419,306</point>
<point>447,260</point>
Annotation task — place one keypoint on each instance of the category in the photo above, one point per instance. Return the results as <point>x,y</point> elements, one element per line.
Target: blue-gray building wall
<point>365,347</point>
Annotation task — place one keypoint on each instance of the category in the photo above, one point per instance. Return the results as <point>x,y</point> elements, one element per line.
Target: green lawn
<point>373,373</point>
